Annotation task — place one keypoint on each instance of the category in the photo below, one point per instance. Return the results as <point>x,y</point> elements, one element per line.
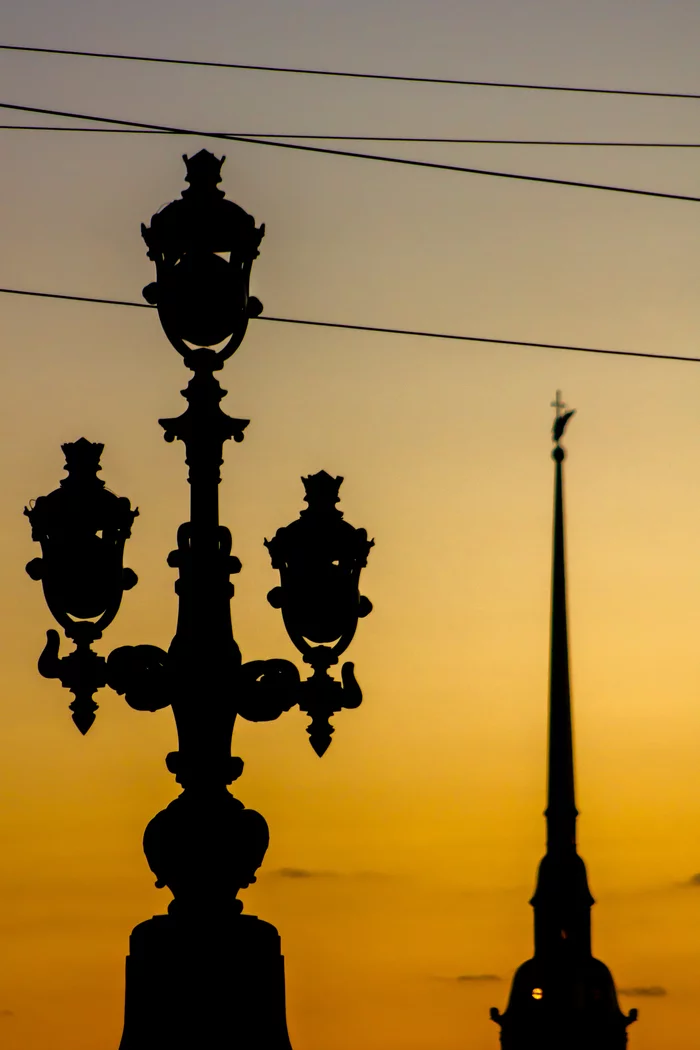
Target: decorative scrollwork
<point>267,688</point>
<point>321,697</point>
<point>82,672</point>
<point>140,674</point>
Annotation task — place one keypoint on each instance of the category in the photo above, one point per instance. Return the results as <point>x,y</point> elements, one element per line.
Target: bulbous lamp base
<point>216,984</point>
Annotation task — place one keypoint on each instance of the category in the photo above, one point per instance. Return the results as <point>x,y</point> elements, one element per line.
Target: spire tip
<point>560,420</point>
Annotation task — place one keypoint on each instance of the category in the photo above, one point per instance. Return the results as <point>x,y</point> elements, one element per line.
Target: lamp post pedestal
<point>211,981</point>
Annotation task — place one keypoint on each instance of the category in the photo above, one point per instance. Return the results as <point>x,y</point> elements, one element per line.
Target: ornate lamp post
<point>204,975</point>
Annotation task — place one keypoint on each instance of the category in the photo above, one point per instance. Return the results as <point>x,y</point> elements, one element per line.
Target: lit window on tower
<point>536,993</point>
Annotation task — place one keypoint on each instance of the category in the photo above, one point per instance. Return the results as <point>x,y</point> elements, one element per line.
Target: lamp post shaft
<point>204,651</point>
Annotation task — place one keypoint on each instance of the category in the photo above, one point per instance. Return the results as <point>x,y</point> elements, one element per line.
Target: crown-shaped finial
<point>203,169</point>
<point>322,490</point>
<point>82,456</point>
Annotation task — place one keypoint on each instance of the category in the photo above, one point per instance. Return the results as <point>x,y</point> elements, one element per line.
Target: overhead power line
<point>434,165</point>
<point>380,330</point>
<point>352,75</point>
<point>362,138</point>
<point>76,298</point>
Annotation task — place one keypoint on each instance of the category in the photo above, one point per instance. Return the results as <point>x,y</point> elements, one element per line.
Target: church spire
<point>562,996</point>
<point>561,809</point>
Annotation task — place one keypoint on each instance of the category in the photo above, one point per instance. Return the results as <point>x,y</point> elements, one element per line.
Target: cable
<point>76,298</point>
<point>355,76</point>
<point>348,153</point>
<point>383,331</point>
<point>362,138</point>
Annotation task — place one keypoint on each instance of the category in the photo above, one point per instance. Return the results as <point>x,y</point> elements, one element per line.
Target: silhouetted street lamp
<point>204,975</point>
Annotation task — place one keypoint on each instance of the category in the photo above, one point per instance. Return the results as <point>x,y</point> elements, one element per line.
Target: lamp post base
<point>215,983</point>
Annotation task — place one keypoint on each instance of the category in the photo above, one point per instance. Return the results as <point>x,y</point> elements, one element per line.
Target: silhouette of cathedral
<point>563,997</point>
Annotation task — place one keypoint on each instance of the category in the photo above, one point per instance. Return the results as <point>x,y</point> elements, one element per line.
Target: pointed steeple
<point>562,996</point>
<point>561,809</point>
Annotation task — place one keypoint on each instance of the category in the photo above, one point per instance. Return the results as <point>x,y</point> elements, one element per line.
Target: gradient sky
<point>401,864</point>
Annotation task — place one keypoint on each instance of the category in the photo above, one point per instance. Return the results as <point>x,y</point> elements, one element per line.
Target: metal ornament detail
<point>319,558</point>
<point>204,247</point>
<point>82,528</point>
<point>191,849</point>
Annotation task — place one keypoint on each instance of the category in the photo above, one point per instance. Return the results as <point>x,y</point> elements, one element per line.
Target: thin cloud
<point>651,991</point>
<point>468,978</point>
<point>303,873</point>
<point>478,977</point>
<point>694,880</point>
<point>4,1014</point>
<point>310,873</point>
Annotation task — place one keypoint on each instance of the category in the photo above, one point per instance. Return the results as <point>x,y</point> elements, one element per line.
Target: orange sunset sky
<point>401,864</point>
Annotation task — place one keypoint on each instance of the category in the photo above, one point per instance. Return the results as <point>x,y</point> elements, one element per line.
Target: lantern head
<point>319,558</point>
<point>82,528</point>
<point>203,246</point>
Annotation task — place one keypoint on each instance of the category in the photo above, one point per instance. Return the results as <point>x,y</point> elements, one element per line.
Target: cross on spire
<point>560,421</point>
<point>558,404</point>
